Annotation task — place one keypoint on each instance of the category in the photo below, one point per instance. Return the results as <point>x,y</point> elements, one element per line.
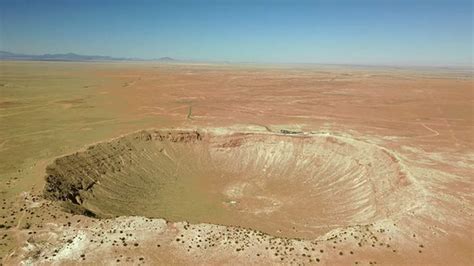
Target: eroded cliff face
<point>296,185</point>
<point>75,173</point>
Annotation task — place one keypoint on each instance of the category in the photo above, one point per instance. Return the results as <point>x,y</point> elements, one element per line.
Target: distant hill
<point>166,59</point>
<point>4,55</point>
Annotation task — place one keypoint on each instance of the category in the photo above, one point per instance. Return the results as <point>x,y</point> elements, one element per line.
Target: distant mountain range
<point>74,57</point>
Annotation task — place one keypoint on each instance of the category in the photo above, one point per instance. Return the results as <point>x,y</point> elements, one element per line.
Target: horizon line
<point>188,60</point>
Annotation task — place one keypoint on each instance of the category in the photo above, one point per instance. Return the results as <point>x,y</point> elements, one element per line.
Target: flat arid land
<point>148,163</point>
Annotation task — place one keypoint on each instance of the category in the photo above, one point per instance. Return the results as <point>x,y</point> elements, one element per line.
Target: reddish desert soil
<point>293,164</point>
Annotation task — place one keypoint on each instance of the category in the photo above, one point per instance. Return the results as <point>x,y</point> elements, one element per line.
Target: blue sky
<point>403,32</point>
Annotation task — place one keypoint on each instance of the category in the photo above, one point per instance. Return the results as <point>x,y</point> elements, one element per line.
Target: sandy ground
<point>422,118</point>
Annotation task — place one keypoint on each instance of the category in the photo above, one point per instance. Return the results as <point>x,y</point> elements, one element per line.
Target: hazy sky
<point>414,32</point>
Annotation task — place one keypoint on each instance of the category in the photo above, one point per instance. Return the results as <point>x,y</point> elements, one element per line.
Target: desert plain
<point>154,163</point>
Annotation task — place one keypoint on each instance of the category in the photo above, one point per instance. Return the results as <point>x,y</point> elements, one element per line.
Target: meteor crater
<point>292,185</point>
